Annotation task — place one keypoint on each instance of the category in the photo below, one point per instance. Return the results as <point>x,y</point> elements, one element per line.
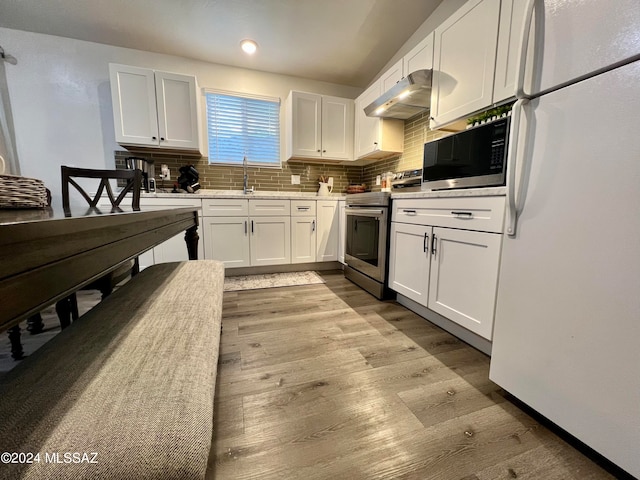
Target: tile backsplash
<point>216,177</point>
<point>416,134</point>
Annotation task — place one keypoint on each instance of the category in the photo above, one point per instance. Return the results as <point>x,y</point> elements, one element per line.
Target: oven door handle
<point>364,212</point>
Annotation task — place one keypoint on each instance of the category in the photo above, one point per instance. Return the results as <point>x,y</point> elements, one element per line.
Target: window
<point>240,125</point>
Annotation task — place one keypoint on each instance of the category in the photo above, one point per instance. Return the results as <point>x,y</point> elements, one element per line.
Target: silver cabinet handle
<point>304,209</point>
<point>425,243</point>
<point>434,245</point>
<point>409,212</point>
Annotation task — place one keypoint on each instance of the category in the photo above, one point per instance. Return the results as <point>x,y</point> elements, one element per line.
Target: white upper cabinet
<point>133,93</point>
<point>392,76</point>
<point>177,110</point>
<point>319,126</point>
<point>305,132</point>
<point>420,57</point>
<point>337,128</point>
<point>511,19</point>
<point>154,109</point>
<point>376,137</point>
<point>464,61</point>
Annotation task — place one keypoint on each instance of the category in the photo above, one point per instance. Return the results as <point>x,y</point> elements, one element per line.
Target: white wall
<point>61,101</point>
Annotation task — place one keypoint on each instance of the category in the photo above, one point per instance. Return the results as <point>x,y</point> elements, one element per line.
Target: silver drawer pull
<point>303,208</point>
<point>463,214</point>
<point>409,212</point>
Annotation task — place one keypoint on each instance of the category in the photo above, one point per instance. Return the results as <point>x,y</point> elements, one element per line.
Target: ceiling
<point>340,41</point>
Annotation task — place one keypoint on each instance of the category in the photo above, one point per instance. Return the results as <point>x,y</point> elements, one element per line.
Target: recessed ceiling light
<point>249,46</point>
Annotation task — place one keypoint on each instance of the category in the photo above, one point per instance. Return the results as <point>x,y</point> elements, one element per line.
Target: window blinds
<point>239,126</point>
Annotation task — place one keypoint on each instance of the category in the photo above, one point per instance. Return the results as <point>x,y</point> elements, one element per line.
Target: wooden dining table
<point>47,254</point>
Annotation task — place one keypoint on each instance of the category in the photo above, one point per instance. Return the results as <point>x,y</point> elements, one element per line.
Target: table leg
<point>64,309</point>
<point>16,346</point>
<point>191,237</point>
<point>35,324</point>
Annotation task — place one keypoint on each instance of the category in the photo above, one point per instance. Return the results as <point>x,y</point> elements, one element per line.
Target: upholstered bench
<point>126,391</point>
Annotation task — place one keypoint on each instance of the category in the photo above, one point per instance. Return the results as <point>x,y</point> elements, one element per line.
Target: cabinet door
<point>270,240</point>
<point>177,105</point>
<point>464,277</point>
<point>227,240</point>
<point>511,18</point>
<point>367,128</point>
<point>392,76</point>
<point>306,121</point>
<point>409,261</point>
<point>133,94</point>
<point>464,61</point>
<point>420,57</point>
<point>337,128</point>
<point>303,239</point>
<point>327,214</point>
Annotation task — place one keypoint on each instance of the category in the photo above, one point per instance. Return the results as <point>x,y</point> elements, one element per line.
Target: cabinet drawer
<point>225,207</point>
<point>303,208</point>
<point>269,208</point>
<point>485,214</point>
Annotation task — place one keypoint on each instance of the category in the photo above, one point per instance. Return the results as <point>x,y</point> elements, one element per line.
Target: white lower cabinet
<point>227,240</point>
<point>303,239</point>
<point>464,277</point>
<point>451,271</point>
<point>410,260</point>
<point>328,230</point>
<point>270,240</point>
<point>243,232</point>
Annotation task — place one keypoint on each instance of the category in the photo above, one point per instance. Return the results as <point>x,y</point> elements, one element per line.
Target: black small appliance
<point>476,157</point>
<point>188,179</point>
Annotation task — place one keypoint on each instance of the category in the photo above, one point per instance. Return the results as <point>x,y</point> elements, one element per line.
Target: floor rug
<point>269,280</point>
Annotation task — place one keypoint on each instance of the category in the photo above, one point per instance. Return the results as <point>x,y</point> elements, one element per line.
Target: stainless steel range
<point>366,243</point>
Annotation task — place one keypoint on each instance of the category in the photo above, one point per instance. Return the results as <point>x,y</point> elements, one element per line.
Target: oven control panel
<point>408,179</point>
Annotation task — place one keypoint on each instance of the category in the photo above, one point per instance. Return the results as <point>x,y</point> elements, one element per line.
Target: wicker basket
<point>22,192</point>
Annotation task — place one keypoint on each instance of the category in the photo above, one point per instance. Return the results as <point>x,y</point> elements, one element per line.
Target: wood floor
<point>326,382</point>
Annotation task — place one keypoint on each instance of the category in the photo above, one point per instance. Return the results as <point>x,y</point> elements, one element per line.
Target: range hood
<point>408,97</point>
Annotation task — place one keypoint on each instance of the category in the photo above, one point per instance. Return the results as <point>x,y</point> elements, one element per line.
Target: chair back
<point>133,178</point>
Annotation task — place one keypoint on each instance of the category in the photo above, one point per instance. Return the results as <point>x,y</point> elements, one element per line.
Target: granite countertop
<point>466,192</point>
<point>203,193</point>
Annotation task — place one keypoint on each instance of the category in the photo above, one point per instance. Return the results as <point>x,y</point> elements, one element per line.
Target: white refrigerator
<point>567,329</point>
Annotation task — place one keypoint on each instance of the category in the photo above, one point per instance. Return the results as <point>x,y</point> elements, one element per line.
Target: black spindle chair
<point>67,308</point>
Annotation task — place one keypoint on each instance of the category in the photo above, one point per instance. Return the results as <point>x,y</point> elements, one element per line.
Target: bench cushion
<point>133,380</point>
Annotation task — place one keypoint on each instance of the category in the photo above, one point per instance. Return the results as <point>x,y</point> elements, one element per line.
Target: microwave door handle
<point>524,46</point>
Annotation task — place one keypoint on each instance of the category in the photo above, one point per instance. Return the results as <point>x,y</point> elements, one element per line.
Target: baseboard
<point>293,267</point>
<point>453,328</point>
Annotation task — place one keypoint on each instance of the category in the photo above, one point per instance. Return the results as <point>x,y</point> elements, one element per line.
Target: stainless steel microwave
<point>476,157</point>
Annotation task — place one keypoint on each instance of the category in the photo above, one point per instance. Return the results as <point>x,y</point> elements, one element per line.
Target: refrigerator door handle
<point>512,163</point>
<point>524,46</point>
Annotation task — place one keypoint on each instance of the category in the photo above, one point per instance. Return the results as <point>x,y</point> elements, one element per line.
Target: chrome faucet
<point>246,188</point>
